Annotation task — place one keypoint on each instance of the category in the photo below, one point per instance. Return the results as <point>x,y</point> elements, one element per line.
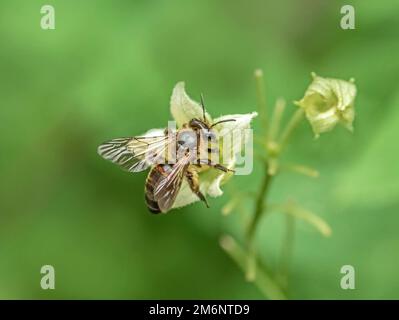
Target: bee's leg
<point>216,166</point>
<point>192,179</point>
<point>222,168</point>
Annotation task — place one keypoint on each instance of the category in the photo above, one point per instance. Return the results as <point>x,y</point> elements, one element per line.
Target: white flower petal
<point>210,182</point>
<point>242,121</point>
<point>233,135</point>
<point>323,122</point>
<point>185,196</point>
<point>154,133</point>
<point>183,108</point>
<point>234,131</point>
<point>347,117</point>
<point>213,188</point>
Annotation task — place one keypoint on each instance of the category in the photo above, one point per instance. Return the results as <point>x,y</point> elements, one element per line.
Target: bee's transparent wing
<point>165,192</point>
<point>136,154</point>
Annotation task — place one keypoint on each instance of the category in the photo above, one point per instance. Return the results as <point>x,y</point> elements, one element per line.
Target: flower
<point>327,102</point>
<point>184,109</point>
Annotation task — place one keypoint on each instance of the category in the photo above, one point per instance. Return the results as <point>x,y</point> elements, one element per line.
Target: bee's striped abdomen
<point>156,174</point>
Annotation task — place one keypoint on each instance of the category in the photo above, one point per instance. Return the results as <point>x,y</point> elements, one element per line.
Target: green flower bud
<point>328,102</point>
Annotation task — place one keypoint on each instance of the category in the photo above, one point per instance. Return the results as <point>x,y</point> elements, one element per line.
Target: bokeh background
<point>108,71</point>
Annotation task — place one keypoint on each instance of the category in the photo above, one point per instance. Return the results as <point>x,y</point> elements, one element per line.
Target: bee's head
<point>206,130</point>
<point>203,125</point>
<point>197,124</point>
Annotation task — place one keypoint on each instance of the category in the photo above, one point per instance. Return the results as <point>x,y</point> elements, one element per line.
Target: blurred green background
<point>108,71</point>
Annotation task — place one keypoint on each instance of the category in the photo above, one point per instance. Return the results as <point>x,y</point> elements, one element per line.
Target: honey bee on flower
<point>185,163</point>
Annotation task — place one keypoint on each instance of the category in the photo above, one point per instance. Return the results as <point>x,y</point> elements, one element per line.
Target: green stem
<point>276,119</point>
<point>261,96</point>
<point>249,261</point>
<point>264,281</point>
<point>260,204</point>
<point>261,200</point>
<point>292,124</point>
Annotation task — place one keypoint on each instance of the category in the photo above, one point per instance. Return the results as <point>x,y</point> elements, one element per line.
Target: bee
<point>173,157</point>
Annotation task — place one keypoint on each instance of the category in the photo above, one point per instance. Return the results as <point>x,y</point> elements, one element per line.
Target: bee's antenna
<point>203,107</point>
<point>221,121</point>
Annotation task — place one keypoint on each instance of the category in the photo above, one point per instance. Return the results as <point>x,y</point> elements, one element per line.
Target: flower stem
<point>264,281</point>
<point>261,96</point>
<point>249,261</point>
<point>292,124</point>
<point>261,199</point>
<point>260,204</point>
<point>276,120</point>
